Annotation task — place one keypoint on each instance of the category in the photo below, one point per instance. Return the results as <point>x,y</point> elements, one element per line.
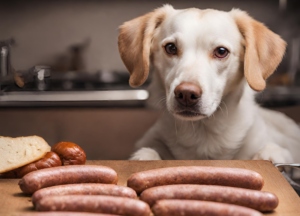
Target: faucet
<point>9,76</point>
<point>5,56</point>
<point>5,62</point>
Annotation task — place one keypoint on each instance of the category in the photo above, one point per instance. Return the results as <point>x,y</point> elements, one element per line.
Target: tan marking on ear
<point>263,49</point>
<point>134,43</point>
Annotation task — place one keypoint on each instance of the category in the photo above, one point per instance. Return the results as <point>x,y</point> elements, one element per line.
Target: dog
<point>207,67</point>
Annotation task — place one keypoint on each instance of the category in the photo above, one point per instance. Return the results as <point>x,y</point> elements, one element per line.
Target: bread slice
<point>17,152</point>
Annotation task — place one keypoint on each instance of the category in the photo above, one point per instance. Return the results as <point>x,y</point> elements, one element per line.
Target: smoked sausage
<point>69,153</point>
<point>84,189</point>
<point>64,214</point>
<point>51,159</point>
<point>95,203</point>
<point>67,175</point>
<point>259,200</point>
<point>233,177</point>
<point>200,208</point>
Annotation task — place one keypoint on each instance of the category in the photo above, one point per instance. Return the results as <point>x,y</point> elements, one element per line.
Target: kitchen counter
<point>13,201</point>
<point>106,98</point>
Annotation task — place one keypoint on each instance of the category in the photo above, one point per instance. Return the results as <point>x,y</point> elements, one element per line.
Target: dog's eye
<point>171,49</point>
<point>221,52</point>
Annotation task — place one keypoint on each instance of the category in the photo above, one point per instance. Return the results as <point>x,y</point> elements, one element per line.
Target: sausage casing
<point>84,189</point>
<point>67,175</point>
<point>259,200</point>
<point>51,159</point>
<point>95,203</point>
<point>233,177</point>
<point>199,208</point>
<point>69,153</point>
<point>64,214</point>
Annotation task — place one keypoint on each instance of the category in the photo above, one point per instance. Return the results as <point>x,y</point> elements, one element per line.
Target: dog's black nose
<point>187,94</point>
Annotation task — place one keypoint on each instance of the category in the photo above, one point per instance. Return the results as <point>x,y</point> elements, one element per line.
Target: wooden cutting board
<point>14,202</point>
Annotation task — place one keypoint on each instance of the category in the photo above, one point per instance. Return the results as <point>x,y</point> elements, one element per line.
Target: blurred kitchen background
<point>62,77</point>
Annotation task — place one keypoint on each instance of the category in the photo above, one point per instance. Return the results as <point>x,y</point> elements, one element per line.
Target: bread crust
<point>51,159</point>
<point>41,150</point>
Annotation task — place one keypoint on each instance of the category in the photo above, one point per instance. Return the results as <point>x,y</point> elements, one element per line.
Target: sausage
<point>95,203</point>
<point>51,159</point>
<point>69,153</point>
<point>64,214</point>
<point>67,175</point>
<point>259,200</point>
<point>233,177</point>
<point>10,174</point>
<point>199,208</point>
<point>84,189</point>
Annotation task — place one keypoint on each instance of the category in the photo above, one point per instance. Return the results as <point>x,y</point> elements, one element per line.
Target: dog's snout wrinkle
<point>187,94</point>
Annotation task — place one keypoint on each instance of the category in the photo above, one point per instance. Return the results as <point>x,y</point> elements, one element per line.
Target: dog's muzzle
<point>187,96</point>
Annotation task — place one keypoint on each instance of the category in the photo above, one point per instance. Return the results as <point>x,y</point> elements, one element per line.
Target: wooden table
<point>13,201</point>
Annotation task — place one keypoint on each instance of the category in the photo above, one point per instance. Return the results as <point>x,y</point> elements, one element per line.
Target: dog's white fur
<point>229,124</point>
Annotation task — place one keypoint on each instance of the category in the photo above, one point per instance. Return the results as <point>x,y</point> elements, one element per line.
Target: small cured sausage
<point>233,177</point>
<point>84,189</point>
<point>96,203</point>
<point>67,175</point>
<point>69,153</point>
<point>259,200</point>
<point>64,214</point>
<point>199,208</point>
<point>51,159</point>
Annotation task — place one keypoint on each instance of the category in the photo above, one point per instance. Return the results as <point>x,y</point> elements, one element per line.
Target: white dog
<point>206,64</point>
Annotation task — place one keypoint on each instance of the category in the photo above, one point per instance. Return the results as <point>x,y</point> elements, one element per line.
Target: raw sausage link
<point>64,214</point>
<point>84,189</point>
<point>67,175</point>
<point>96,203</point>
<point>259,200</point>
<point>199,208</point>
<point>233,177</point>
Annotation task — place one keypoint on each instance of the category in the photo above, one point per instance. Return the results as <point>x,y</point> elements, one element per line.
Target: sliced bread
<point>17,152</point>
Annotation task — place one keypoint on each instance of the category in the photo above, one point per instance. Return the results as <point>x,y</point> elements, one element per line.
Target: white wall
<point>44,29</point>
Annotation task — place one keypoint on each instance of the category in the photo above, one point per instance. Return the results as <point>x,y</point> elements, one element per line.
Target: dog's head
<point>200,55</point>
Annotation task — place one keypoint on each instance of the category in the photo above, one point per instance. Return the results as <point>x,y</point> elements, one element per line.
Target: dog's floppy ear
<point>263,49</point>
<point>135,42</point>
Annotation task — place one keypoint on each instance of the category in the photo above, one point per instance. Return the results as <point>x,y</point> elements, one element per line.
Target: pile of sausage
<point>184,191</point>
<point>62,153</point>
<point>81,188</point>
<point>195,190</point>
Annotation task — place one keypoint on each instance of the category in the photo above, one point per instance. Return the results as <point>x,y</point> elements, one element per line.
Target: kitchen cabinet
<point>104,134</point>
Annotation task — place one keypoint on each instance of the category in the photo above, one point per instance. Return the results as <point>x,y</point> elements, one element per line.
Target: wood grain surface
<point>13,201</point>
